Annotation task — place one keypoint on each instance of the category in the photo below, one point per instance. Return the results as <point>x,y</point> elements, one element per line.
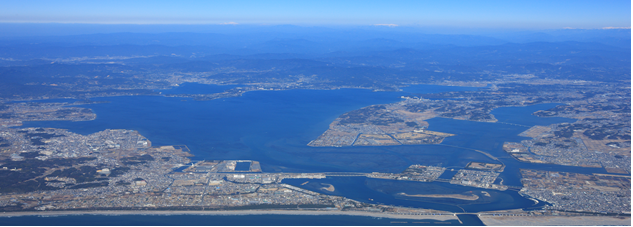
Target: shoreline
<point>227,213</point>
<point>555,220</point>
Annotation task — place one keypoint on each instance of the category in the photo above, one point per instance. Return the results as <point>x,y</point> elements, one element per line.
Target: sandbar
<point>448,196</point>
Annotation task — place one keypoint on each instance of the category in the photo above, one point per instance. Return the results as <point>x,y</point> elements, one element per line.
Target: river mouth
<point>427,195</point>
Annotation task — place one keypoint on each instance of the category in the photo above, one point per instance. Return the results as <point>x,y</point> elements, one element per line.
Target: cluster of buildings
<point>476,178</point>
<point>413,173</point>
<point>597,193</point>
<point>60,143</point>
<point>13,114</point>
<point>574,150</point>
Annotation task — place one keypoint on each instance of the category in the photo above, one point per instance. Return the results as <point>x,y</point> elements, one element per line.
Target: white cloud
<point>616,28</point>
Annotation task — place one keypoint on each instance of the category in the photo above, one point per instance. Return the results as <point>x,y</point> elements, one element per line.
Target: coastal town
<point>13,114</point>
<point>600,193</point>
<point>119,169</point>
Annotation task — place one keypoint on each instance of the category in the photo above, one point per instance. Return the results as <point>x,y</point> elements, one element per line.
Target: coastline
<point>556,220</point>
<point>228,213</point>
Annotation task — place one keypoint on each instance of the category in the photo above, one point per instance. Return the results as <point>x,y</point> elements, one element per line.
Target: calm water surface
<point>222,220</point>
<point>273,127</point>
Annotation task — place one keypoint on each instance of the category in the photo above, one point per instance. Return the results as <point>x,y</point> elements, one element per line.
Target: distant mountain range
<point>379,58</point>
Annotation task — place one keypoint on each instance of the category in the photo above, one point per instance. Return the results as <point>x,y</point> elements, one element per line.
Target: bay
<point>273,127</point>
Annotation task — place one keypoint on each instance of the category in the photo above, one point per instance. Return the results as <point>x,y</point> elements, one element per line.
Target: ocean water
<point>273,127</point>
<point>225,220</point>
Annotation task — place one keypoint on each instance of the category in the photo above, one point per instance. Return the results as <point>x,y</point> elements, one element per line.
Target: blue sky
<point>533,14</point>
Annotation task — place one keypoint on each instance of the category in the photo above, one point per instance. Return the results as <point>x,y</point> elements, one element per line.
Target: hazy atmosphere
<point>455,113</point>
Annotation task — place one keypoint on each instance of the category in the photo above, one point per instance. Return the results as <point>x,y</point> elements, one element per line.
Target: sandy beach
<point>556,220</point>
<point>244,212</point>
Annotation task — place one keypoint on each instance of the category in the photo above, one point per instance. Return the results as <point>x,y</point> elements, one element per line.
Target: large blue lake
<point>273,127</point>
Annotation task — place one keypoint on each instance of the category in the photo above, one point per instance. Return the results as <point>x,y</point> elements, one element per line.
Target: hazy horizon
<point>456,14</point>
